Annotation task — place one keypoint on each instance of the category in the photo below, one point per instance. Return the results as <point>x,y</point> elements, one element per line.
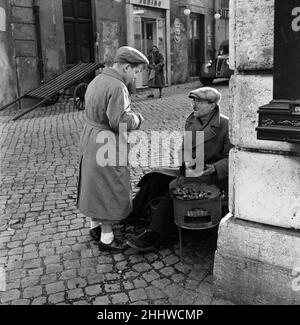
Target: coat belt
<point>97,125</point>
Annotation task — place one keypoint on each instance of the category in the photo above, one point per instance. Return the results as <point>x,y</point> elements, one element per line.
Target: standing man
<point>104,190</point>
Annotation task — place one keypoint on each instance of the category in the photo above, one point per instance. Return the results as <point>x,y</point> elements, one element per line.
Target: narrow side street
<point>45,247</point>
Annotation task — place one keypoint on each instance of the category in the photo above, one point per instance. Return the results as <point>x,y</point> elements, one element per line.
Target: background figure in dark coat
<point>207,118</point>
<point>156,70</point>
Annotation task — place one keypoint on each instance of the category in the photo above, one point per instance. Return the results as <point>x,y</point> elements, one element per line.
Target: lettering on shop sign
<point>296,20</point>
<point>154,3</point>
<point>163,4</point>
<point>2,20</point>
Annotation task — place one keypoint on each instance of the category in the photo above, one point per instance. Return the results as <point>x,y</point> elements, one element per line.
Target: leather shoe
<point>145,242</point>
<point>115,246</point>
<point>95,233</point>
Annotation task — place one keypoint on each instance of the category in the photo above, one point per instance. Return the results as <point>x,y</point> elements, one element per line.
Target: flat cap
<point>206,93</point>
<point>127,54</point>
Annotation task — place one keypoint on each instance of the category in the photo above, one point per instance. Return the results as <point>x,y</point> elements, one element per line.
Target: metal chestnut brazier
<point>196,205</point>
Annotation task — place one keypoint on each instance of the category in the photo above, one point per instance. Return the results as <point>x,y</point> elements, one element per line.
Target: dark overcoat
<point>216,151</point>
<point>156,70</point>
<point>216,146</point>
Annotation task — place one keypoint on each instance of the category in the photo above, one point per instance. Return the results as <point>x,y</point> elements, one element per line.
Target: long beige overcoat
<point>104,192</point>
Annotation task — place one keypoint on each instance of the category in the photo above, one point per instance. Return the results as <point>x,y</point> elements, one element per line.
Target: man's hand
<point>191,169</point>
<point>193,173</point>
<point>209,170</point>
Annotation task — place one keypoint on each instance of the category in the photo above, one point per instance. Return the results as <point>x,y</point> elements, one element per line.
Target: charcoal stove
<point>195,211</point>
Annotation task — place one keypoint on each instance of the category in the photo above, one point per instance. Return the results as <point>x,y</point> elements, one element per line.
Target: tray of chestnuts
<point>190,191</point>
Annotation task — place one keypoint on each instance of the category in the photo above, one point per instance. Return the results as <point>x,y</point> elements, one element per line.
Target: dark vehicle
<point>218,68</point>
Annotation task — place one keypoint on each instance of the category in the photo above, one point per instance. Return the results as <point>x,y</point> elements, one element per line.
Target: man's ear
<point>126,67</point>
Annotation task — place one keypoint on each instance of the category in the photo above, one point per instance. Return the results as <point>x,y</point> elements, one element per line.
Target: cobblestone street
<point>45,247</point>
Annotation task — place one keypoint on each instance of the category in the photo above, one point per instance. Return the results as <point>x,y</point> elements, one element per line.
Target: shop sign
<point>2,20</point>
<point>224,13</point>
<point>162,4</point>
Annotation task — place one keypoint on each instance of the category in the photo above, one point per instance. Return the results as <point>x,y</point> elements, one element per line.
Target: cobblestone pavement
<point>45,248</point>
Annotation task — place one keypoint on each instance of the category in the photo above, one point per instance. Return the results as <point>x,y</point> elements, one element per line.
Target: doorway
<point>148,32</point>
<point>78,26</point>
<point>196,44</point>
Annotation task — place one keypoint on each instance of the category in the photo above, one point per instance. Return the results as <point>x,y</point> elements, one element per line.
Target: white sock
<point>94,224</point>
<point>107,238</point>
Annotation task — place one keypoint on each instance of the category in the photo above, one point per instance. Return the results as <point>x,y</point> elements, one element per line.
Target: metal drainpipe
<point>36,13</point>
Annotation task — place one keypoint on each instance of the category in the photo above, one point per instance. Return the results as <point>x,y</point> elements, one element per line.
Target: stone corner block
<point>252,28</point>
<point>265,188</point>
<point>257,264</point>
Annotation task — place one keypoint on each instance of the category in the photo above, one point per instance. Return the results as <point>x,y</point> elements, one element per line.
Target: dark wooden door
<point>196,44</point>
<point>78,27</point>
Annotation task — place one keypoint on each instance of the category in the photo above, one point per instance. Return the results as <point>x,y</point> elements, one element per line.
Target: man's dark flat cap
<point>127,54</point>
<point>212,95</point>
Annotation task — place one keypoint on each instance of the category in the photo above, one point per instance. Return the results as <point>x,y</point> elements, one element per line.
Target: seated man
<point>207,118</point>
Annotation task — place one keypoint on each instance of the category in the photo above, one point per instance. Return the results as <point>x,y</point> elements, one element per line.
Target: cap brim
<point>191,95</point>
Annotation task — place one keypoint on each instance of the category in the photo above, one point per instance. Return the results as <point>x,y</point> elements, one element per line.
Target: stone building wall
<point>52,37</point>
<point>258,246</point>
<point>24,45</point>
<point>18,44</point>
<point>221,24</point>
<point>8,84</point>
<point>110,32</point>
<point>21,43</point>
<point>180,24</point>
<point>110,24</point>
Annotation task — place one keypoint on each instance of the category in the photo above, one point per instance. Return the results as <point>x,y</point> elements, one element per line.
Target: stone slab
<point>24,32</point>
<point>22,15</point>
<point>257,264</point>
<point>265,188</point>
<point>252,28</point>
<point>25,48</point>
